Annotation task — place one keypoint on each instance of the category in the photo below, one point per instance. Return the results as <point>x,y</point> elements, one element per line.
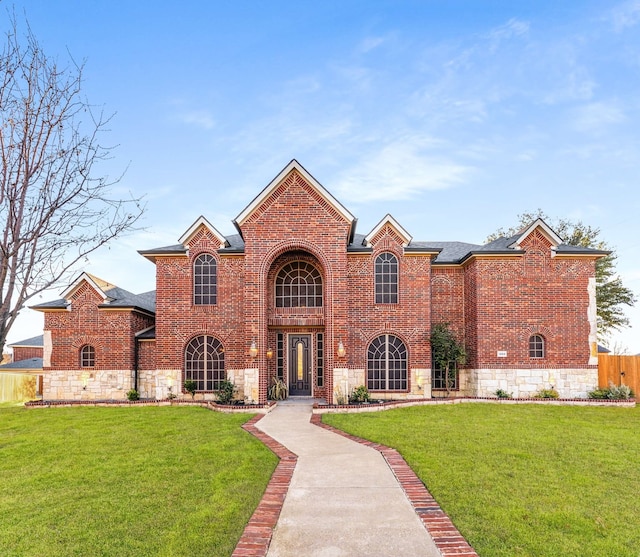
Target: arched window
<point>87,356</point>
<point>298,284</point>
<point>204,363</point>
<point>386,277</point>
<point>387,364</point>
<point>205,280</point>
<point>536,346</point>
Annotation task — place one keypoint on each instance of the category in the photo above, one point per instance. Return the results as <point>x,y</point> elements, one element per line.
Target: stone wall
<point>523,383</point>
<point>78,384</point>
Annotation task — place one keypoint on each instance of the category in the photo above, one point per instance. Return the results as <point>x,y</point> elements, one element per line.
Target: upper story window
<point>298,284</point>
<point>536,346</point>
<point>386,273</point>
<point>87,356</point>
<point>205,280</point>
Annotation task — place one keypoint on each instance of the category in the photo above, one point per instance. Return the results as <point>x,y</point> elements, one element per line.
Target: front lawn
<point>127,481</point>
<point>523,480</point>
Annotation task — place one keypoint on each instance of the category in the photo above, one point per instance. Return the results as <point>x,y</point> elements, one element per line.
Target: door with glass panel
<point>300,365</point>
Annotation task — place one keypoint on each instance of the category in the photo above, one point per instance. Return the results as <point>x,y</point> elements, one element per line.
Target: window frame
<point>87,356</point>
<point>439,380</point>
<point>207,273</point>
<point>386,278</point>
<point>292,289</point>
<point>537,347</point>
<point>199,366</point>
<point>379,358</point>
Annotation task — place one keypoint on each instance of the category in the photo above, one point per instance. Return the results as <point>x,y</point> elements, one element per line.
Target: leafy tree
<point>611,294</point>
<point>54,209</point>
<point>446,352</point>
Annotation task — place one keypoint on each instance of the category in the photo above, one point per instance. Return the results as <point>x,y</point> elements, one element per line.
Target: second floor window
<point>386,278</point>
<point>298,284</point>
<point>205,280</point>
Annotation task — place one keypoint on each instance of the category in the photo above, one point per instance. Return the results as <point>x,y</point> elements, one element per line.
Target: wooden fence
<point>619,370</point>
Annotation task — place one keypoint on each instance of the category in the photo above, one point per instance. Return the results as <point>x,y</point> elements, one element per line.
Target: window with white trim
<point>205,280</point>
<point>386,278</point>
<point>204,363</point>
<point>387,364</point>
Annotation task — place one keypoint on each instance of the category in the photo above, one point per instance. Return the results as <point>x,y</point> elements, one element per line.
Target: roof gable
<point>388,220</point>
<point>100,286</point>
<point>293,166</point>
<point>544,228</point>
<point>195,227</point>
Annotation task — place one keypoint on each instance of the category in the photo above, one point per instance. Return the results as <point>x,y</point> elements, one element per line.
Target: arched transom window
<point>536,346</point>
<point>298,284</point>
<point>205,280</point>
<point>386,273</point>
<point>204,363</point>
<point>387,364</point>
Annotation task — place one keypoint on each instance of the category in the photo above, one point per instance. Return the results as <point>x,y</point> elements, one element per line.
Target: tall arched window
<point>298,284</point>
<point>204,363</point>
<point>387,364</point>
<point>536,346</point>
<point>386,277</point>
<point>205,280</point>
<point>87,356</point>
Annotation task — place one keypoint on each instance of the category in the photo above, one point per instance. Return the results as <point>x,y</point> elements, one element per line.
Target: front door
<point>300,365</point>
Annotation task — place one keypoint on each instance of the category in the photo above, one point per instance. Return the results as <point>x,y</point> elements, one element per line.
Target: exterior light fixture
<point>169,383</point>
<point>269,353</point>
<point>253,349</point>
<point>341,350</point>
<point>85,380</point>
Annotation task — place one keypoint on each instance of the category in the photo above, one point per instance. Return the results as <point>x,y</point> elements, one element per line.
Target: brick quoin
<point>493,299</point>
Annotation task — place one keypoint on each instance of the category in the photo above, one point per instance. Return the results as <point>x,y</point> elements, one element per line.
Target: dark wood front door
<point>300,365</point>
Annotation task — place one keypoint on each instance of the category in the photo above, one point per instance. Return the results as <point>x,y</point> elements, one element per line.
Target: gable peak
<point>388,220</point>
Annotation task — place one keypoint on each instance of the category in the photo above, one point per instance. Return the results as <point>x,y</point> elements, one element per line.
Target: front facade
<point>298,295</point>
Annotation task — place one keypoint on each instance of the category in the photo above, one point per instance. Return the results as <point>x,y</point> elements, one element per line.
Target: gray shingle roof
<point>117,297</point>
<point>37,341</point>
<point>23,365</point>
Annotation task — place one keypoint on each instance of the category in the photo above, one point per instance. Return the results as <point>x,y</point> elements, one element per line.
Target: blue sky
<point>453,116</point>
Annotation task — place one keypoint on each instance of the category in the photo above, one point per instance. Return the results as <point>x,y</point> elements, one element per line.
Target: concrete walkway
<point>343,499</point>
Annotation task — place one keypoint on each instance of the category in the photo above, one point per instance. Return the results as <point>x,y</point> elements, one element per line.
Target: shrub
<point>360,394</point>
<point>225,392</point>
<point>190,386</point>
<point>279,390</point>
<point>501,393</point>
<point>133,394</point>
<point>547,393</point>
<point>612,392</point>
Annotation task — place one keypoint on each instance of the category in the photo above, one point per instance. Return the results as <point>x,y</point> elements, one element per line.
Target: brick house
<point>297,294</point>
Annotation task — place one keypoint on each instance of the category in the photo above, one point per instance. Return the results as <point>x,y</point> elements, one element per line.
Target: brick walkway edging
<point>257,535</point>
<point>446,536</point>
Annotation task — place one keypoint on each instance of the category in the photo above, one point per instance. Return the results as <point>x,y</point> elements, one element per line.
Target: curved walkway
<point>341,496</point>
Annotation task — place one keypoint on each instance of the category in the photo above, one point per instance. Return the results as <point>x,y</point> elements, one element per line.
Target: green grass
<point>127,481</point>
<point>523,480</point>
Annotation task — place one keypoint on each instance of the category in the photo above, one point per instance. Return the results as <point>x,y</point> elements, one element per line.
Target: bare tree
<point>53,209</point>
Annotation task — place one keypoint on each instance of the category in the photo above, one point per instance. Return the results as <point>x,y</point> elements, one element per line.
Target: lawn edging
<point>389,405</point>
<point>211,405</point>
<point>257,535</point>
<point>447,538</point>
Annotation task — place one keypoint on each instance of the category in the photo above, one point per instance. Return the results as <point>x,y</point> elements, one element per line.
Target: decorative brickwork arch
<point>272,262</point>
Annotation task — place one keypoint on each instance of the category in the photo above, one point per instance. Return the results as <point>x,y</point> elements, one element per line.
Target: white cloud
<point>370,43</point>
<point>626,15</point>
<point>400,170</point>
<point>597,116</point>
<point>199,118</point>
